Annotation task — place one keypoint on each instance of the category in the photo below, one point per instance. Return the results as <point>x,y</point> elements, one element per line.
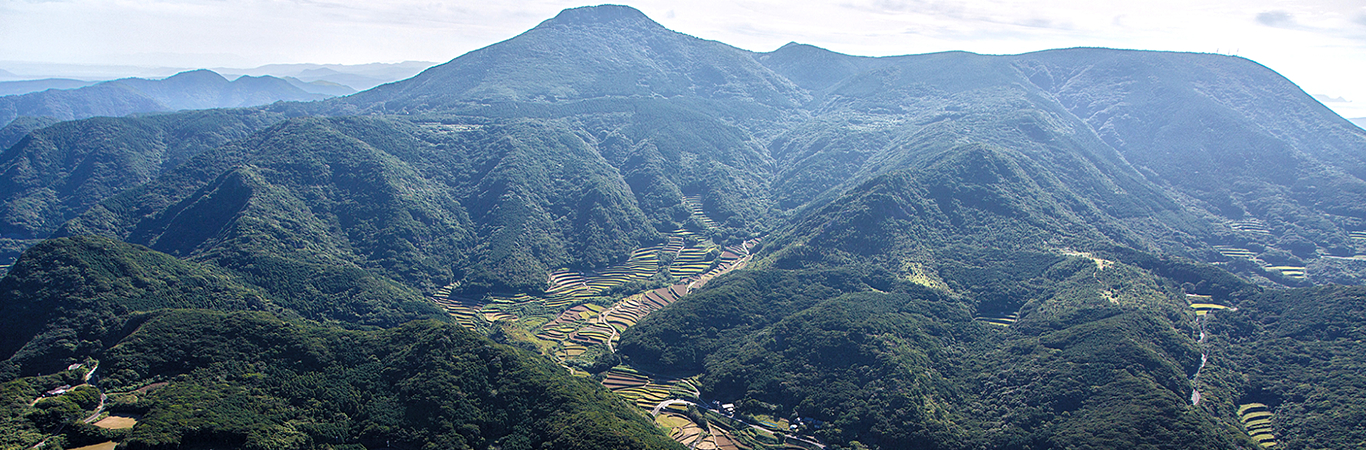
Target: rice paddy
<point>567,287</point>
<point>689,262</point>
<point>1235,252</point>
<point>1005,321</point>
<point>590,324</point>
<point>1256,419</point>
<point>646,392</point>
<point>1293,272</point>
<point>1250,226</point>
<point>684,430</point>
<point>465,313</point>
<point>1204,308</point>
<point>694,204</point>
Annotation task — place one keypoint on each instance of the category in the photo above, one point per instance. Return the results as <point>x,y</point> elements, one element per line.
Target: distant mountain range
<point>199,89</point>
<point>331,79</point>
<point>1360,121</point>
<point>26,86</point>
<point>356,76</point>
<point>1074,248</point>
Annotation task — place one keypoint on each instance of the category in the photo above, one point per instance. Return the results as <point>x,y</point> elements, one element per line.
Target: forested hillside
<point>1078,248</point>
<point>57,172</point>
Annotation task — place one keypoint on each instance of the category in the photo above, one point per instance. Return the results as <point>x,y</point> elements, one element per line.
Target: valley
<point>590,328</point>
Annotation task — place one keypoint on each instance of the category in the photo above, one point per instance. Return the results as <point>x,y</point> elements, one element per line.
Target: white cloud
<point>1280,19</point>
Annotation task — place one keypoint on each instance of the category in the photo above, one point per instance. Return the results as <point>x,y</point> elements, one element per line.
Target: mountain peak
<point>198,75</point>
<point>598,15</point>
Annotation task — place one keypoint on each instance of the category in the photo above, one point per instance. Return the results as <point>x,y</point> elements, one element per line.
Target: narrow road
<point>666,403</point>
<point>98,409</point>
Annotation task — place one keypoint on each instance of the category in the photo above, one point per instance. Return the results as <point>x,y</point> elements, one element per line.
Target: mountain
<point>353,76</point>
<point>1235,140</point>
<point>21,126</point>
<point>70,294</point>
<point>427,203</point>
<point>1074,248</point>
<point>1360,121</point>
<point>320,87</point>
<point>631,56</point>
<point>26,86</point>
<point>59,171</point>
<point>199,89</point>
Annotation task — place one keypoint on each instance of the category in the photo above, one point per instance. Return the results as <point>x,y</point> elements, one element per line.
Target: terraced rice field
<point>694,204</point>
<point>1250,226</point>
<point>577,330</point>
<point>567,287</point>
<point>689,262</point>
<point>1204,308</point>
<point>728,441</point>
<point>571,350</point>
<point>568,322</point>
<point>1004,321</point>
<point>1256,419</point>
<point>1294,272</point>
<point>641,390</point>
<point>732,258</point>
<point>465,313</point>
<point>494,316</point>
<point>1235,252</point>
<point>511,299</point>
<point>590,324</point>
<point>594,334</point>
<point>686,432</point>
<point>644,391</point>
<point>626,313</point>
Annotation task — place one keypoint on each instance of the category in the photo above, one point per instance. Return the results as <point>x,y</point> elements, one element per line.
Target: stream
<point>1204,357</point>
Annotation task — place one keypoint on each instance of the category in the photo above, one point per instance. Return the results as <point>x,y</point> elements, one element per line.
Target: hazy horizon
<point>1318,44</point>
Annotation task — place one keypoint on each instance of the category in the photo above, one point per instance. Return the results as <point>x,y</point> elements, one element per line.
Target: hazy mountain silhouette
<point>199,89</point>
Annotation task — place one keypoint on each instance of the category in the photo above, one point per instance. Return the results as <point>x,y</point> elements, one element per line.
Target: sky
<point>1318,44</point>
